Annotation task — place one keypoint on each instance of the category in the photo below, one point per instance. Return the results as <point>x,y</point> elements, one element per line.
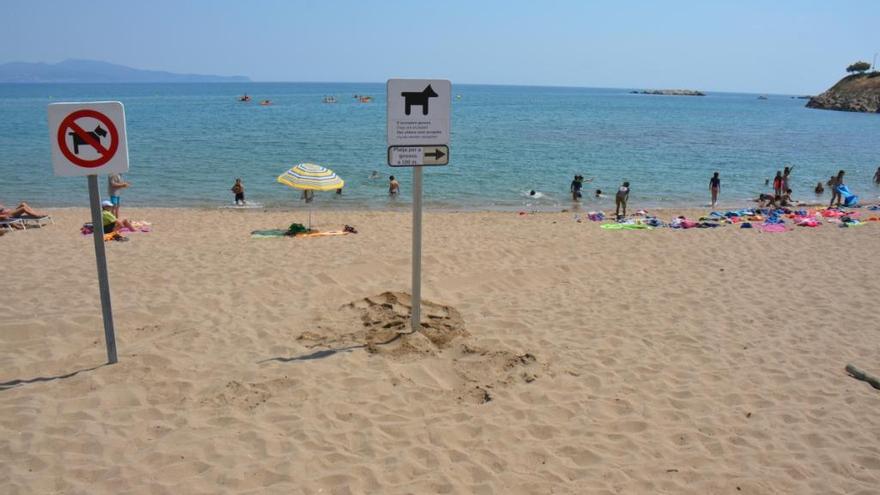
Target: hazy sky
<point>786,46</point>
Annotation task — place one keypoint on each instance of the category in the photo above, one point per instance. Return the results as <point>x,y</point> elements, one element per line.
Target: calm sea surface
<point>188,142</point>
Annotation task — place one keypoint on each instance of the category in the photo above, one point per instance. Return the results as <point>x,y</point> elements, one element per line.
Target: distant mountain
<point>93,71</point>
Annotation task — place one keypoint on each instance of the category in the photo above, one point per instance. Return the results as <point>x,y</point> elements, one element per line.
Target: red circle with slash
<point>106,153</point>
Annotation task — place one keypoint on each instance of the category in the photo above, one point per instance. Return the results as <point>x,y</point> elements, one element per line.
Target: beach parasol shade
<point>311,176</point>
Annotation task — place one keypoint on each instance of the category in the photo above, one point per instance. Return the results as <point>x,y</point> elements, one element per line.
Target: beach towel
<point>625,226</point>
<point>322,234</point>
<point>849,199</point>
<point>596,216</point>
<point>266,234</point>
<point>773,227</point>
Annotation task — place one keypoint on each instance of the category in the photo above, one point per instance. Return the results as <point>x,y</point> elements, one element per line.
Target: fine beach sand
<point>557,358</point>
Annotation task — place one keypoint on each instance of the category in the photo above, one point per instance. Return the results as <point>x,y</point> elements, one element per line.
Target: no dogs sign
<point>88,138</point>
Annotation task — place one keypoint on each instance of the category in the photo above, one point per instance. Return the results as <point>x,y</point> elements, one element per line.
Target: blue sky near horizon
<point>790,47</point>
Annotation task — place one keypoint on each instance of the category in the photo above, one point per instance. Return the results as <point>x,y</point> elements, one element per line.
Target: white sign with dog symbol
<point>418,122</point>
<point>88,138</point>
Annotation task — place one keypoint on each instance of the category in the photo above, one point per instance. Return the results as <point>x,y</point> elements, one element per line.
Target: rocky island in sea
<point>668,92</point>
<point>858,92</point>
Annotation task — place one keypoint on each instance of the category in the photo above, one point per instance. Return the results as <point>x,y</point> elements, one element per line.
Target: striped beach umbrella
<point>311,177</point>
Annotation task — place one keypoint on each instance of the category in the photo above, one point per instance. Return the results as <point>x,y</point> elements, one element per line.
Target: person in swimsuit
<point>820,189</point>
<point>834,183</point>
<point>393,186</point>
<point>877,176</point>
<point>620,200</point>
<point>777,183</point>
<point>785,178</point>
<point>23,209</point>
<point>715,188</point>
<point>238,190</point>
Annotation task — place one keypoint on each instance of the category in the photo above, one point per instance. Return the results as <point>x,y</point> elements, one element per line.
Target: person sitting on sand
<point>23,209</point>
<point>768,200</point>
<point>109,220</point>
<point>620,200</point>
<point>238,190</point>
<point>786,200</point>
<point>820,189</point>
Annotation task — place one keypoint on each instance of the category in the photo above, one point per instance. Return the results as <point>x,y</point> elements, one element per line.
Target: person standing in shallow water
<point>834,183</point>
<point>715,188</point>
<point>393,186</point>
<point>621,199</point>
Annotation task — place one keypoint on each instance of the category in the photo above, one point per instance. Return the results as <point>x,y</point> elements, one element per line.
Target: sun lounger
<point>36,221</point>
<point>11,223</point>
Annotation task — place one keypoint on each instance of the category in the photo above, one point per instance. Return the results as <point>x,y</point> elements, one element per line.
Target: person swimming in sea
<point>820,189</point>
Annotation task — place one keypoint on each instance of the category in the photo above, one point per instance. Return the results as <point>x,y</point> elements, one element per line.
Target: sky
<point>785,46</point>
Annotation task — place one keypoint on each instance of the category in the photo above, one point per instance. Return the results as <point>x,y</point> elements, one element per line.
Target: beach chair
<point>36,221</point>
<point>10,223</point>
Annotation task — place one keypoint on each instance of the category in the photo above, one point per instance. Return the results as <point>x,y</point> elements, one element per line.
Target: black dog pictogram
<point>418,98</point>
<point>97,134</point>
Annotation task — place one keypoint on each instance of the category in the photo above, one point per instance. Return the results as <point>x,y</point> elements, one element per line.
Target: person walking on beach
<point>715,188</point>
<point>115,185</point>
<point>834,184</point>
<point>621,199</point>
<point>238,190</point>
<point>393,186</point>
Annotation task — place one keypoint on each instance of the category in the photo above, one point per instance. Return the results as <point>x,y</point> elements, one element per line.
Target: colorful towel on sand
<point>266,234</point>
<point>329,233</point>
<point>773,227</point>
<point>625,226</point>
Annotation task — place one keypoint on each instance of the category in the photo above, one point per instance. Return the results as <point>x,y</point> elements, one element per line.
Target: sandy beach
<point>557,358</point>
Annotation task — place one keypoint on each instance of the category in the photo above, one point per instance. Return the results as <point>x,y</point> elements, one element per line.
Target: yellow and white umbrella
<point>311,177</point>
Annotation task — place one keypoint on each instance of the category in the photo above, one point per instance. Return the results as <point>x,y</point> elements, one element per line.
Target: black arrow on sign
<point>437,154</point>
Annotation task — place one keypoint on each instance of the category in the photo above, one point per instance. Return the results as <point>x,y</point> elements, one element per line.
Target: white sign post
<point>89,139</point>
<point>418,135</point>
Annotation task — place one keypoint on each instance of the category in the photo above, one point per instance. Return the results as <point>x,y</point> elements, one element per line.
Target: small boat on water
<point>244,97</point>
<point>365,99</point>
<point>762,97</point>
<point>266,103</point>
<point>329,99</point>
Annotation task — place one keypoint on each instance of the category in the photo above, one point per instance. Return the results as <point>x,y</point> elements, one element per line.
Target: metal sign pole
<point>417,251</point>
<point>101,259</point>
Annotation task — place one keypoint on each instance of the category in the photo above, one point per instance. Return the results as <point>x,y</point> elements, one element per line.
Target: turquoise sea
<point>188,142</point>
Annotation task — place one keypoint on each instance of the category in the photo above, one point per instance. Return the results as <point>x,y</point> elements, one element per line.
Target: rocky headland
<point>854,93</point>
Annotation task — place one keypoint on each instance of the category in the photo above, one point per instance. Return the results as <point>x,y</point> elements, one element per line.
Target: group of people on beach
<point>781,196</point>
<point>308,195</point>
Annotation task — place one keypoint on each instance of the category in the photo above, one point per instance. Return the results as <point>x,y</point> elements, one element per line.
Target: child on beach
<point>393,186</point>
<point>238,190</point>
<point>715,188</point>
<point>820,189</point>
<point>621,199</point>
<point>777,183</point>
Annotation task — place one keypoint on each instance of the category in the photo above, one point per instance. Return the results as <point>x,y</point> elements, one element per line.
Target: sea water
<point>188,143</point>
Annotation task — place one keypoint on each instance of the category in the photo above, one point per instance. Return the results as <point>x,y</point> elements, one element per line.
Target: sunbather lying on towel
<point>20,210</point>
<point>111,223</point>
